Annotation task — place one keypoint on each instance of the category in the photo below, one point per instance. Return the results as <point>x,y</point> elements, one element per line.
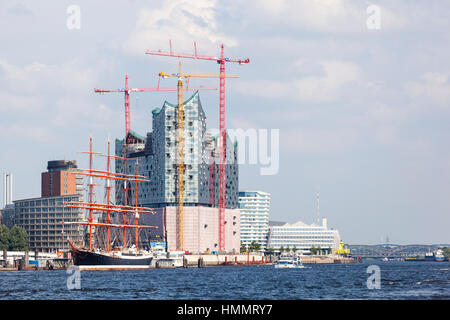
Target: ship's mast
<point>109,208</point>
<point>136,215</point>
<point>108,190</point>
<point>125,155</point>
<point>91,188</point>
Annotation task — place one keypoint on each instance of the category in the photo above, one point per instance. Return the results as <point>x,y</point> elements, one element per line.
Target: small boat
<point>439,256</point>
<point>429,256</point>
<point>292,262</point>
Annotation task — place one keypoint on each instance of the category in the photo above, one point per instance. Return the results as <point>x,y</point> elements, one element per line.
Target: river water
<point>398,280</point>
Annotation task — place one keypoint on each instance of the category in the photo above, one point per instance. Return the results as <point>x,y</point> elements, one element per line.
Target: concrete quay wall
<point>230,259</point>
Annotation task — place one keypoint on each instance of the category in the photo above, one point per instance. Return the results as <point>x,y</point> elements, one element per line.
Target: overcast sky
<point>363,113</point>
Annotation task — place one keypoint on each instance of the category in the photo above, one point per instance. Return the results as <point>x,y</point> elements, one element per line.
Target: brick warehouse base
<point>201,228</point>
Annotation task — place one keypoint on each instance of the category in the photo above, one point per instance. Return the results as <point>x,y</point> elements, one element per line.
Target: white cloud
<point>318,88</point>
<point>343,17</point>
<point>181,21</point>
<point>327,88</point>
<point>40,97</point>
<point>318,141</point>
<point>434,87</point>
<point>387,135</point>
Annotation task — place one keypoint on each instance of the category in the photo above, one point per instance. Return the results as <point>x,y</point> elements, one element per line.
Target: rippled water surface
<point>399,280</point>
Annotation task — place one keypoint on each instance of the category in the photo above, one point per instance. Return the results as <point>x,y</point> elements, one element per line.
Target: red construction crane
<point>127,90</point>
<point>180,120</point>
<point>221,61</point>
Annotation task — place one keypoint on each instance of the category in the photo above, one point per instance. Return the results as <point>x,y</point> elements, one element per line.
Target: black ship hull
<point>82,257</point>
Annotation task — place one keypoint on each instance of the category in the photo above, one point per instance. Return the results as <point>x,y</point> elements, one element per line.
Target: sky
<point>359,91</point>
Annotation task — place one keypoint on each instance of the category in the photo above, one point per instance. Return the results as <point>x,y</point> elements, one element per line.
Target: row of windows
<point>45,202</point>
<point>302,230</point>
<point>301,237</point>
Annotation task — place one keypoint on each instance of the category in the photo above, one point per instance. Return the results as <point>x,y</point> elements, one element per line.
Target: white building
<point>303,237</point>
<point>255,208</point>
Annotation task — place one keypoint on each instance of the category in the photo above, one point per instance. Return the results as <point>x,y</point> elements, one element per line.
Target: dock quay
<point>17,262</point>
<point>27,261</point>
<point>225,260</point>
<point>327,259</point>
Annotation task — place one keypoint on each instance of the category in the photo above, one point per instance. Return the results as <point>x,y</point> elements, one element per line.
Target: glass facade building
<point>42,220</point>
<point>158,160</point>
<point>255,208</point>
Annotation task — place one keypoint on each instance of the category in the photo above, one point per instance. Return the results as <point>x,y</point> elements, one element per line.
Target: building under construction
<point>158,160</point>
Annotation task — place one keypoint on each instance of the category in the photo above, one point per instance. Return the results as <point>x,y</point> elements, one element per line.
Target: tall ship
<point>118,250</point>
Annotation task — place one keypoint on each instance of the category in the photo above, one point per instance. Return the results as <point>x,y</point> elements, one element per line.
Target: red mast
<point>91,187</point>
<point>221,61</point>
<point>109,208</point>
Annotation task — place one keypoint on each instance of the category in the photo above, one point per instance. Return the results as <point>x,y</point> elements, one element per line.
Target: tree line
<point>254,246</point>
<point>14,239</point>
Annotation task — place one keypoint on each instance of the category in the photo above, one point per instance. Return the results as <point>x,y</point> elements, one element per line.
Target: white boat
<point>292,262</point>
<point>439,256</point>
<point>168,259</point>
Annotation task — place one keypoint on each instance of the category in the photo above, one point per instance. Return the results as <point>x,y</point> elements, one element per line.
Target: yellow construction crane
<point>180,117</point>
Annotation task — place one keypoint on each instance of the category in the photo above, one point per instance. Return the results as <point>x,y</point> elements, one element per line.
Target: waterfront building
<point>303,237</point>
<point>42,220</point>
<point>157,153</point>
<point>255,208</point>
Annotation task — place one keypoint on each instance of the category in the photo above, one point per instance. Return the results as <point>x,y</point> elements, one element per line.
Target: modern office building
<point>255,209</point>
<point>303,237</point>
<point>58,181</point>
<point>157,153</point>
<point>42,220</point>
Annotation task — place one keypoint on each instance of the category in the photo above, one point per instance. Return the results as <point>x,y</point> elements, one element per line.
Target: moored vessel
<point>94,257</point>
<point>439,256</point>
<point>292,262</point>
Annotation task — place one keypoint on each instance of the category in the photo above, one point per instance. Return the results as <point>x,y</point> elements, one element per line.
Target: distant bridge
<point>391,250</point>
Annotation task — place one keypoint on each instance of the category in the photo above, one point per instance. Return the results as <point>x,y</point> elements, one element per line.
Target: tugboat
<point>132,257</point>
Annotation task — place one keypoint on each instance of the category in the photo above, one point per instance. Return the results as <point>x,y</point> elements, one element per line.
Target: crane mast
<point>221,61</point>
<point>181,166</point>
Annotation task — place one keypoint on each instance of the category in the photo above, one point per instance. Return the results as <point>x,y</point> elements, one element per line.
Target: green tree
<point>254,246</point>
<point>243,247</point>
<point>281,249</point>
<point>446,252</point>
<point>313,250</point>
<point>4,238</point>
<point>294,249</point>
<point>270,250</point>
<point>18,239</point>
